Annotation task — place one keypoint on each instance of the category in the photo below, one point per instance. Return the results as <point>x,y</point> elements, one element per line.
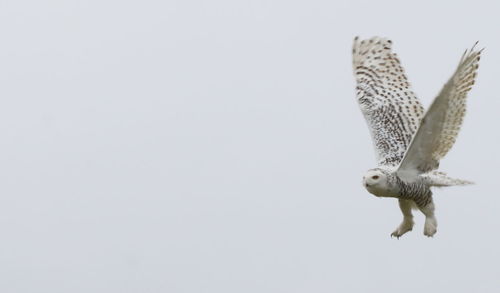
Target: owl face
<point>375,181</point>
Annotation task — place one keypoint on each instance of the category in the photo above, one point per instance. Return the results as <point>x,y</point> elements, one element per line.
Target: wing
<point>441,124</point>
<point>390,107</point>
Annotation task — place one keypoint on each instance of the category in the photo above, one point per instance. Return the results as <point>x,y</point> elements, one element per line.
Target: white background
<point>217,146</point>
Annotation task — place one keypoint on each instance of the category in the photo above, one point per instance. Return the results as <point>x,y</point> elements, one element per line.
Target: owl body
<point>408,143</point>
<point>384,183</point>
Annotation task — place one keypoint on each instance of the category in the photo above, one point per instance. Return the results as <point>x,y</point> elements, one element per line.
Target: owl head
<point>377,183</point>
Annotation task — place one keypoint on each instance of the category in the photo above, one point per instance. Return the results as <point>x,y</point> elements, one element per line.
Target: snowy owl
<point>408,143</point>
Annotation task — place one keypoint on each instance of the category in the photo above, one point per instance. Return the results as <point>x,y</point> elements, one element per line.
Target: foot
<point>430,227</point>
<point>405,226</point>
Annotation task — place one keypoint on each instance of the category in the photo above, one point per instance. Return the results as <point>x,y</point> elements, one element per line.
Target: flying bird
<point>408,143</point>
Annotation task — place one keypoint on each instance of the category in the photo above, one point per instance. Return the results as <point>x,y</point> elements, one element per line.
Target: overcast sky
<point>217,146</point>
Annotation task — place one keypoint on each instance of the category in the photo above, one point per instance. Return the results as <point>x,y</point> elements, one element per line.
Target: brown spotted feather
<point>386,99</point>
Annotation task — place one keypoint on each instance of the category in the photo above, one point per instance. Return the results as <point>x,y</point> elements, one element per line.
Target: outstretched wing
<point>390,107</point>
<point>441,124</point>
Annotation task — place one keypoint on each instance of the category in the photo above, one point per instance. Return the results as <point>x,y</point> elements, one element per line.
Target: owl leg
<point>430,227</point>
<point>407,224</point>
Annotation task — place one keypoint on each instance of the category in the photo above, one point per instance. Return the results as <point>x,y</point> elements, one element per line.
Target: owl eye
<point>375,177</point>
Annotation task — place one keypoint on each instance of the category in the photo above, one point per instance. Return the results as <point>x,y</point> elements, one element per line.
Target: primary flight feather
<point>408,144</point>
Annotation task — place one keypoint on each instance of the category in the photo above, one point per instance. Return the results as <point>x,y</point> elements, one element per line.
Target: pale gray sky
<point>216,146</point>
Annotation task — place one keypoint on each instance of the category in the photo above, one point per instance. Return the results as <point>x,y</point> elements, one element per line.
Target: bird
<point>409,143</point>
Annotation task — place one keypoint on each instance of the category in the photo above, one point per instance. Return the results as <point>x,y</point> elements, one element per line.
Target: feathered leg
<point>407,224</point>
<point>430,227</point>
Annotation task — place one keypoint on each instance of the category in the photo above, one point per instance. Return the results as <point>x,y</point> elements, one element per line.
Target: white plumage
<point>439,129</point>
<point>408,144</point>
<point>391,109</point>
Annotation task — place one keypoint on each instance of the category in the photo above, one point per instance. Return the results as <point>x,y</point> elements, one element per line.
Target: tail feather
<point>440,179</point>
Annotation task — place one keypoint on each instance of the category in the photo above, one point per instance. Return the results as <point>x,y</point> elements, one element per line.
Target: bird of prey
<point>408,143</point>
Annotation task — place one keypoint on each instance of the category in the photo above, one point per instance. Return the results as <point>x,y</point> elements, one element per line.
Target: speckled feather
<point>386,99</point>
<point>442,121</point>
